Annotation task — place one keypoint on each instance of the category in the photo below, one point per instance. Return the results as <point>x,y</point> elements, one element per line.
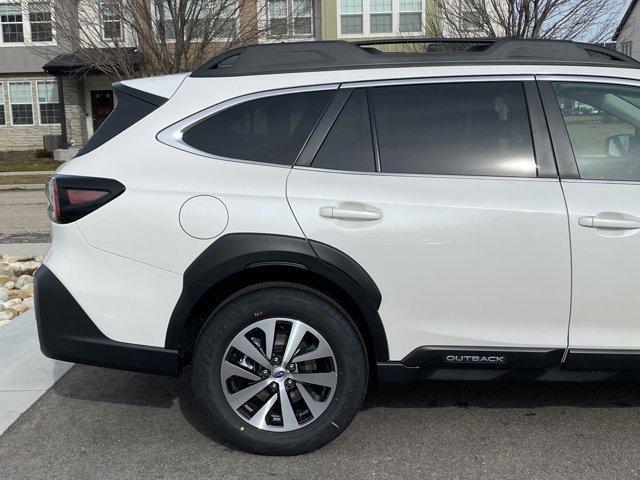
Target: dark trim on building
<point>67,333</point>
<point>63,113</point>
<point>626,16</point>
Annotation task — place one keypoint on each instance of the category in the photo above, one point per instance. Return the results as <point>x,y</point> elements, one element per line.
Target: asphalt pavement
<point>23,217</point>
<point>106,424</point>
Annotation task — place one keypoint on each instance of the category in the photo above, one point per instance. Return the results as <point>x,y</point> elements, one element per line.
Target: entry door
<point>603,198</point>
<point>101,106</point>
<point>440,202</point>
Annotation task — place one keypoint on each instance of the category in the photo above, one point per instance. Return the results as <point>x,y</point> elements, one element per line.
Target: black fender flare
<point>235,252</point>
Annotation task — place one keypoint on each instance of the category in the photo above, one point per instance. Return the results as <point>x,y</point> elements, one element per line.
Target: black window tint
<point>348,145</point>
<point>454,129</point>
<point>271,129</point>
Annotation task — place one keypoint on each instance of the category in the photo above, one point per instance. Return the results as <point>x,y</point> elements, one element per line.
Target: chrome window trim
<point>429,175</point>
<point>605,182</point>
<point>445,79</point>
<point>588,79</point>
<point>172,135</point>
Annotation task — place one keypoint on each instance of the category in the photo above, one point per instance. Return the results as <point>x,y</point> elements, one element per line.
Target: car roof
<point>339,55</point>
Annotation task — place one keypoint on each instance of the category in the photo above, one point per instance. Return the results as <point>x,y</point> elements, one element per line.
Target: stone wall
<point>24,137</point>
<point>75,110</point>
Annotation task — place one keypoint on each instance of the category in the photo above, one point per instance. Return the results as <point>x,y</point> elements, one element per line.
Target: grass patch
<point>22,179</point>
<point>43,165</point>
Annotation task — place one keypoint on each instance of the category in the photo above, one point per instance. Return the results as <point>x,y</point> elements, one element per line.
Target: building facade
<point>627,35</point>
<point>51,98</point>
<point>29,98</point>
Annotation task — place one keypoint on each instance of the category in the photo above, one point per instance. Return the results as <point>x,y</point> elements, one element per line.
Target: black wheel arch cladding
<point>237,252</point>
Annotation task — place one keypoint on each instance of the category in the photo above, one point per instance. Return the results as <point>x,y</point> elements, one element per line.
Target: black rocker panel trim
<point>236,252</point>
<point>67,333</point>
<point>603,360</point>
<point>482,357</point>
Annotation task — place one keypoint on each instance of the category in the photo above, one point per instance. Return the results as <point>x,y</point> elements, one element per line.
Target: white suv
<point>296,220</point>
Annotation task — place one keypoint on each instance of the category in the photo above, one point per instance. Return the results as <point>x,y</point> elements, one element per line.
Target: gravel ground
<point>23,217</point>
<point>103,424</point>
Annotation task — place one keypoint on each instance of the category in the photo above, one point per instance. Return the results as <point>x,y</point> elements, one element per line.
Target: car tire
<point>324,323</point>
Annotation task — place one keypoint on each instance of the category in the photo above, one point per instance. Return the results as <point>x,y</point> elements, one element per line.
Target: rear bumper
<point>67,333</point>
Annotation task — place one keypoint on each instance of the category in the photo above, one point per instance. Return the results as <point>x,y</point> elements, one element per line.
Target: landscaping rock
<point>19,308</point>
<point>7,315</point>
<point>9,304</point>
<point>16,285</point>
<point>17,294</point>
<point>24,280</point>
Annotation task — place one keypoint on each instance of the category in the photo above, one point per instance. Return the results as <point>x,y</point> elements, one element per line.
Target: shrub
<point>43,153</point>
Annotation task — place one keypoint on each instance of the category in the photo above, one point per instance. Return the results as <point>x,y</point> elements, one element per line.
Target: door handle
<point>349,214</point>
<point>609,223</point>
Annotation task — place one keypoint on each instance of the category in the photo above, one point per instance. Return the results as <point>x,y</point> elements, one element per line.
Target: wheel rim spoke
<point>259,419</point>
<point>324,379</point>
<point>289,420</point>
<point>298,329</point>
<point>316,408</point>
<point>280,378</point>
<point>269,329</point>
<point>236,400</point>
<point>243,345</point>
<point>323,350</point>
<point>231,370</point>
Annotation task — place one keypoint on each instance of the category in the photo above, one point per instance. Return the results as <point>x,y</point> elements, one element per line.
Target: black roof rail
<point>271,58</point>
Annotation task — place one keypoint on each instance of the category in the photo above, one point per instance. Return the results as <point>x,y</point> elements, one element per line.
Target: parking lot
<point>106,424</point>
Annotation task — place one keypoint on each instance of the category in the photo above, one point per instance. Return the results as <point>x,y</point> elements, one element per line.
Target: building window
<point>111,21</point>
<point>48,102</point>
<point>625,47</point>
<point>225,16</point>
<point>11,22</point>
<point>3,121</point>
<point>381,17</point>
<point>21,102</point>
<point>410,20</point>
<point>217,20</point>
<point>40,21</point>
<point>351,15</point>
<point>290,17</point>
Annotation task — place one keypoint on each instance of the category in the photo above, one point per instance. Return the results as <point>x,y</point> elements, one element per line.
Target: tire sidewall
<point>317,311</point>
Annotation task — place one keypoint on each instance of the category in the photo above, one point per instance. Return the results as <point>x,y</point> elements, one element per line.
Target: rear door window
<point>455,129</point>
<point>349,145</point>
<point>272,129</point>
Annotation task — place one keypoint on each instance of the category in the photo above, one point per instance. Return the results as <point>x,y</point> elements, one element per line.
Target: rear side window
<point>454,129</point>
<point>349,145</point>
<point>272,129</point>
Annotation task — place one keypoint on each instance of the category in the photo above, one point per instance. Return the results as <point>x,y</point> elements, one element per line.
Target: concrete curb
<point>25,186</point>
<point>37,172</point>
<point>26,373</point>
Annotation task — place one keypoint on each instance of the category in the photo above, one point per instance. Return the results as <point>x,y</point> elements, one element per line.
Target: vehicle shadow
<point>99,385</point>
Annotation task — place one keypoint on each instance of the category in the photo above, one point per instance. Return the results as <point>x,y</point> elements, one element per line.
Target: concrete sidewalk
<point>25,373</point>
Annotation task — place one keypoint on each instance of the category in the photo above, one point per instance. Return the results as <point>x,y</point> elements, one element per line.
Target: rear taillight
<point>71,198</point>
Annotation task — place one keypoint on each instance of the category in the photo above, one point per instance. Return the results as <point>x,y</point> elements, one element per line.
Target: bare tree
<point>134,38</point>
<point>587,20</point>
